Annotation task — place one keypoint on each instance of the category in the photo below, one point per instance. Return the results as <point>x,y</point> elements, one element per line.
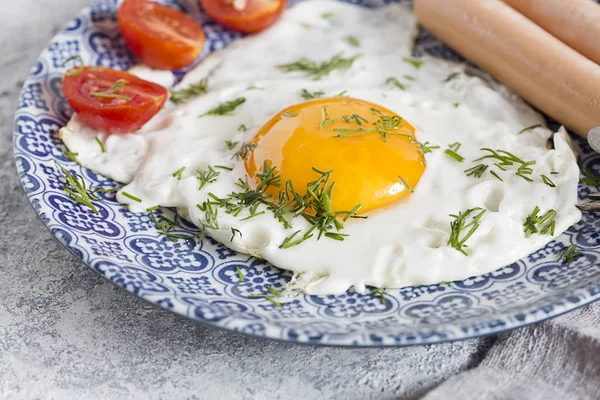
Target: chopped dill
<point>379,292</point>
<point>476,171</point>
<point>353,41</point>
<point>76,70</point>
<point>244,150</point>
<point>569,254</point>
<point>462,228</point>
<point>240,274</point>
<point>71,155</point>
<point>543,224</point>
<point>306,95</point>
<point>452,76</point>
<point>289,114</point>
<point>395,82</point>
<point>206,176</point>
<point>451,151</point>
<point>415,63</point>
<point>77,190</point>
<point>183,95</point>
<point>111,93</point>
<point>528,128</point>
<point>132,197</point>
<point>327,15</point>
<point>178,174</point>
<point>242,128</point>
<point>102,148</point>
<point>456,105</point>
<point>547,181</point>
<point>230,144</point>
<point>408,77</point>
<point>406,185</point>
<point>590,178</point>
<point>225,108</point>
<point>319,70</point>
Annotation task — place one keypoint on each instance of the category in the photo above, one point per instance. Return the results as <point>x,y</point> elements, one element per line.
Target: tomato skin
<point>256,15</point>
<point>136,102</point>
<point>161,36</point>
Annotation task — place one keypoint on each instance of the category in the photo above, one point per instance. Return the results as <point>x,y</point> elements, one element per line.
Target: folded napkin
<point>556,359</point>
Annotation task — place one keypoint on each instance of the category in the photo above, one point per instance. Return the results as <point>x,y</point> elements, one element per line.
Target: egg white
<point>399,245</point>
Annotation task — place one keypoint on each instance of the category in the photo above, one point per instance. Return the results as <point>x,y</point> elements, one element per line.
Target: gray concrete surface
<point>67,333</point>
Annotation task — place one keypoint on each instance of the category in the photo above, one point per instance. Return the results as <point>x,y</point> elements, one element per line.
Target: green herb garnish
<point>76,70</point>
<point>543,224</point>
<point>71,155</point>
<point>476,171</point>
<point>406,185</point>
<point>111,93</point>
<point>379,292</point>
<point>132,197</point>
<point>178,174</point>
<point>415,63</point>
<point>230,144</point>
<point>183,95</point>
<point>547,181</point>
<point>528,128</point>
<point>327,15</point>
<point>569,254</point>
<point>244,150</point>
<point>306,95</point>
<point>395,82</point>
<point>590,179</point>
<point>452,152</point>
<point>289,114</point>
<point>319,70</point>
<point>225,108</point>
<point>240,274</point>
<point>76,189</point>
<point>452,76</point>
<point>209,175</point>
<point>352,41</point>
<point>102,148</point>
<point>462,228</point>
<point>242,128</point>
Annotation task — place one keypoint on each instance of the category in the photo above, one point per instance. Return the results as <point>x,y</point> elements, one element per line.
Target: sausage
<point>575,22</point>
<point>540,68</point>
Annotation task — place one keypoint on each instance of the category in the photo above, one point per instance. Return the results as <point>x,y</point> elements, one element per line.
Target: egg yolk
<point>372,152</point>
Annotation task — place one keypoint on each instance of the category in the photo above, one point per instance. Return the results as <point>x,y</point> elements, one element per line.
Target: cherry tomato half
<point>161,36</point>
<point>247,16</point>
<point>112,101</point>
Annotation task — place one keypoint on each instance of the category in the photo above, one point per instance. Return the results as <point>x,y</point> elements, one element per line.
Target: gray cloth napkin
<point>557,359</point>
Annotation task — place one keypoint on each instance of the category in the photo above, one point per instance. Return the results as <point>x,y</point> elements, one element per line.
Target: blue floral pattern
<point>209,283</point>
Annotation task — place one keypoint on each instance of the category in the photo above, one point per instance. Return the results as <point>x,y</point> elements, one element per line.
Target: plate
<point>200,281</point>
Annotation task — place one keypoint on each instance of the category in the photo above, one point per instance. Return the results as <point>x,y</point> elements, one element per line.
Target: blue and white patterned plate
<point>199,280</point>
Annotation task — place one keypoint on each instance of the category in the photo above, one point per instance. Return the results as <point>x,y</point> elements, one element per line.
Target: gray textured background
<point>67,333</point>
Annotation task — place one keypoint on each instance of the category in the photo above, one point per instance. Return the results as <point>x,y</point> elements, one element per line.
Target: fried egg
<point>413,145</point>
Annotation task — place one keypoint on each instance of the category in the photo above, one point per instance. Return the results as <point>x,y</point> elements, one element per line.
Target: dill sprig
<point>244,150</point>
<point>289,114</point>
<point>547,181</point>
<point>569,254</point>
<point>451,77</point>
<point>242,128</point>
<point>542,224</point>
<point>424,148</point>
<point>405,183</point>
<point>503,160</point>
<point>166,225</point>
<point>267,297</point>
<point>76,70</point>
<point>379,292</point>
<point>306,95</point>
<point>240,274</point>
<point>384,126</point>
<point>528,128</point>
<point>207,176</point>
<point>319,70</point>
<point>395,82</point>
<point>590,178</point>
<point>210,215</point>
<point>451,151</point>
<point>71,155</point>
<point>225,108</point>
<point>102,148</point>
<point>476,171</point>
<point>178,174</point>
<point>415,63</point>
<point>352,41</point>
<point>463,227</point>
<point>77,190</point>
<point>230,144</point>
<point>183,95</point>
<point>132,197</point>
<point>111,93</point>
